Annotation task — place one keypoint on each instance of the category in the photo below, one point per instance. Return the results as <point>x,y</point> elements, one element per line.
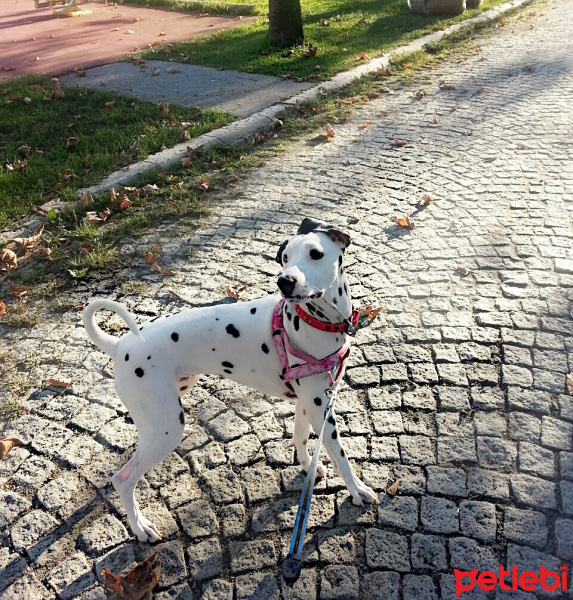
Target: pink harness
<point>332,363</point>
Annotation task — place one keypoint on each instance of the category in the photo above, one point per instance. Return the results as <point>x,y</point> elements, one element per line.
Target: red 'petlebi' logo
<point>527,580</point>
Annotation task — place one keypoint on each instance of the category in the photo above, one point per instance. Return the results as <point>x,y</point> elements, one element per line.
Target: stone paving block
<point>453,450</point>
<point>173,567</point>
<point>385,398</point>
<point>366,375</point>
<point>564,537</point>
<point>416,450</point>
<point>245,450</point>
<point>102,535</point>
<point>566,465</point>
<point>514,355</point>
<point>419,399</point>
<point>257,586</point>
<point>452,398</point>
<point>180,490</point>
<point>228,426</point>
<point>534,459</point>
<point>494,451</point>
<point>533,491</point>
<point>391,373</point>
<point>70,578</point>
<point>253,555</point>
<point>478,520</point>
<point>467,554</point>
<point>216,589</point>
<point>398,511</point>
<point>337,547</point>
<point>385,448</point>
<point>158,513</point>
<point>429,552</point>
<point>118,434</point>
<point>30,528</point>
<point>566,488</point>
<point>487,399</point>
<point>524,427</point>
<point>305,588</point>
<point>93,417</point>
<point>51,438</point>
<point>177,592</point>
<point>419,586</point>
<point>260,483</point>
<point>119,561</point>
<point>166,471</point>
<point>447,585</point>
<point>387,421</point>
<point>12,567</point>
<point>33,472</point>
<point>381,585</point>
<point>205,559</point>
<point>525,527</point>
<point>448,481</point>
<point>529,400</point>
<point>223,484</point>
<point>13,505</point>
<point>412,479</point>
<point>339,582</point>
<point>489,423</point>
<point>26,587</point>
<point>439,515</point>
<point>350,514</point>
<point>488,484</point>
<point>452,374</point>
<point>198,519</point>
<point>512,375</point>
<point>233,519</point>
<point>387,550</point>
<point>556,434</point>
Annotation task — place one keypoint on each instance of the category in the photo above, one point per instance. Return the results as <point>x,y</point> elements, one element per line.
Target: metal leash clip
<point>361,318</point>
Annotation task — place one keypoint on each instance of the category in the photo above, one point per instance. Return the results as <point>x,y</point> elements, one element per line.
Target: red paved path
<point>34,41</point>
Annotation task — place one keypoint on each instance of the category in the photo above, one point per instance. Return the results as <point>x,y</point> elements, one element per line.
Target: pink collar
<point>332,363</point>
<point>341,327</point>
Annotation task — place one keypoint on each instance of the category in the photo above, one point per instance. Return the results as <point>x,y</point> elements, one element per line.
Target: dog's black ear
<point>279,257</point>
<point>309,225</point>
<point>340,237</point>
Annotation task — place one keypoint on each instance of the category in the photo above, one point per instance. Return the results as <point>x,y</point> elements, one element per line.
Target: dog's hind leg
<point>185,383</point>
<point>160,422</point>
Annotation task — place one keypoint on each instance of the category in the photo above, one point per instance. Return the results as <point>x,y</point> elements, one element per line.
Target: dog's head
<point>311,260</point>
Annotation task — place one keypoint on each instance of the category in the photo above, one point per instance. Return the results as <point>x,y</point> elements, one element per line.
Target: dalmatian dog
<point>157,362</point>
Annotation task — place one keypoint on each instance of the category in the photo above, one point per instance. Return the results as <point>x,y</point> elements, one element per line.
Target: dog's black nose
<point>287,284</point>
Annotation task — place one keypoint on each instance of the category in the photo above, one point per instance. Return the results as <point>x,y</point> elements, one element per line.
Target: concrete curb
<point>242,129</point>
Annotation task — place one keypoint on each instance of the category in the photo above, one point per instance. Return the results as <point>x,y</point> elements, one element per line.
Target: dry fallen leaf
<point>138,582</point>
<point>399,143</point>
<point>434,120</point>
<point>232,179</point>
<point>236,291</point>
<point>72,142</point>
<point>2,308</point>
<point>463,271</point>
<point>424,202</point>
<point>148,188</point>
<point>330,133</point>
<point>405,222</point>
<point>444,85</point>
<point>56,383</point>
<point>31,240</point>
<point>392,490</point>
<point>353,219</point>
<point>18,291</point>
<point>23,150</point>
<point>310,52</point>
<point>6,444</point>
<point>8,260</point>
<point>408,65</point>
<point>155,72</point>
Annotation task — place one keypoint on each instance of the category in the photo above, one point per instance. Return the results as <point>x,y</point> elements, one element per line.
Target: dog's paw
<point>320,468</point>
<point>363,494</point>
<point>146,530</point>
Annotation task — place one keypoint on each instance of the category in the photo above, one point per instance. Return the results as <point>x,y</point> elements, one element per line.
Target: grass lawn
<point>51,145</point>
<point>344,32</point>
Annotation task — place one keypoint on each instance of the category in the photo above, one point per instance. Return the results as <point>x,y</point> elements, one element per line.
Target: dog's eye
<point>316,254</point>
<point>285,258</point>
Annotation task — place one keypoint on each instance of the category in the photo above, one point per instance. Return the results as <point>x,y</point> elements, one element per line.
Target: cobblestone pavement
<point>459,392</point>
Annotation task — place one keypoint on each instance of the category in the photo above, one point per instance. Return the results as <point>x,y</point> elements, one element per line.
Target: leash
<point>292,564</point>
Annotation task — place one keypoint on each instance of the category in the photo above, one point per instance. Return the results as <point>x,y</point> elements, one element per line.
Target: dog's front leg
<point>300,439</point>
<point>316,407</point>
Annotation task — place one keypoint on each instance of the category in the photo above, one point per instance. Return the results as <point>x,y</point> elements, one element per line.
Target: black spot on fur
<point>167,433</point>
<point>181,418</point>
<point>228,371</point>
<point>139,372</point>
<point>289,386</point>
<point>141,329</point>
<point>296,323</point>
<point>304,442</point>
<point>253,310</point>
<point>341,451</point>
<point>297,381</point>
<point>345,289</point>
<point>340,260</point>
<point>318,401</point>
<point>265,348</point>
<point>175,337</point>
<point>216,318</point>
<point>182,389</point>
<point>334,434</point>
<point>289,316</point>
<point>320,314</point>
<point>149,358</point>
<point>167,316</point>
<point>335,301</point>
<point>340,291</point>
<point>154,319</point>
<point>126,357</point>
<point>227,364</point>
<point>311,309</point>
<point>331,420</point>
<point>212,349</point>
<point>232,330</point>
<point>179,400</point>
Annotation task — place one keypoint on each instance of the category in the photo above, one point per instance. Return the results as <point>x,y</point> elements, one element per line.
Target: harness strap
<point>341,327</point>
<point>312,366</point>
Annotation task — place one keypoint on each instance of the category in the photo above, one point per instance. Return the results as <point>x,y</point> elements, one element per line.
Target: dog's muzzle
<point>287,284</point>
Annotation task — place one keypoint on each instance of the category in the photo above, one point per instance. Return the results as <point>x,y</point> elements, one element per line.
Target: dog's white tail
<point>103,340</point>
